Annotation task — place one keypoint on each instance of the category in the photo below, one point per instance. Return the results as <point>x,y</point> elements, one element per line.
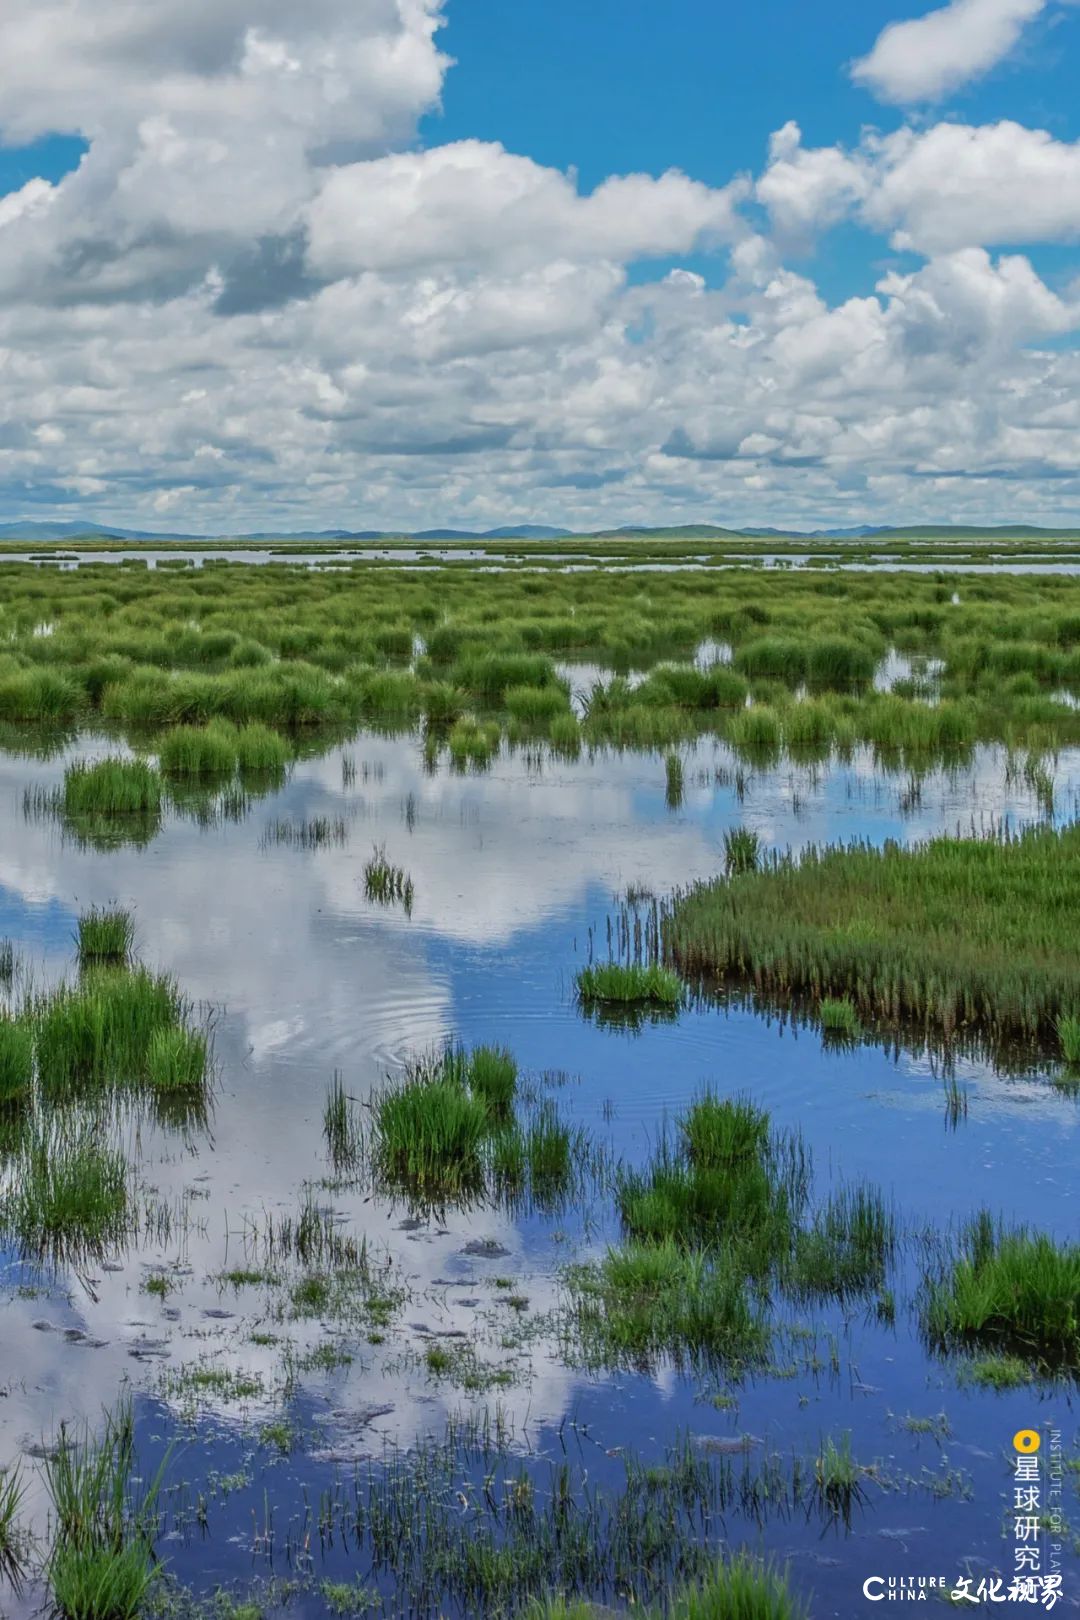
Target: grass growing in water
<point>102,1565</point>
<point>177,1060</point>
<point>839,1017</point>
<point>111,787</point>
<point>1017,1291</point>
<point>1068,1032</point>
<point>16,1061</point>
<point>66,1193</point>
<point>627,984</point>
<point>428,1135</point>
<point>387,883</point>
<point>99,1032</point>
<point>956,934</point>
<point>105,937</point>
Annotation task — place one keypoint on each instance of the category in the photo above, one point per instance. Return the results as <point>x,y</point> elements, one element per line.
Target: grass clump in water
<point>99,1032</point>
<point>742,851</point>
<point>66,1193</point>
<point>111,787</point>
<point>1016,1291</point>
<point>105,937</point>
<point>646,1299</point>
<point>1068,1033</point>
<point>386,883</point>
<point>16,1062</point>
<point>491,1075</point>
<point>959,936</point>
<point>102,1565</point>
<point>177,1060</point>
<point>428,1135</point>
<point>629,984</point>
<point>839,1018</point>
<point>199,752</point>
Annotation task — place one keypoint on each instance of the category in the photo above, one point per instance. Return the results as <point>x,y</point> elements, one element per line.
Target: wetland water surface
<point>279,1411</point>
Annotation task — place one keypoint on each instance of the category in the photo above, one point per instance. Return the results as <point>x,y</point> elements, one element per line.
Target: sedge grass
<point>954,935</point>
<point>102,1565</point>
<point>111,787</point>
<point>16,1061</point>
<point>386,883</point>
<point>177,1060</point>
<point>99,1032</point>
<point>428,1135</point>
<point>13,1540</point>
<point>66,1192</point>
<point>629,984</point>
<point>105,937</point>
<point>1013,1290</point>
<point>199,752</point>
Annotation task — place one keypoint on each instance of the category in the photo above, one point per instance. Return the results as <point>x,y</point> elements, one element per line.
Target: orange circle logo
<point>1027,1441</point>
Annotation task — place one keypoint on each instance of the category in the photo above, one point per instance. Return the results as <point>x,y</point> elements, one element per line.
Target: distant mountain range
<point>82,529</point>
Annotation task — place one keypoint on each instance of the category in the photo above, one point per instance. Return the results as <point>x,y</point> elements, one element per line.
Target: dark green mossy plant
<point>105,937</point>
<point>955,935</point>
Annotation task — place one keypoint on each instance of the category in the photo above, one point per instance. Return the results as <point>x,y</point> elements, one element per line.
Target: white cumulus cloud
<point>923,58</point>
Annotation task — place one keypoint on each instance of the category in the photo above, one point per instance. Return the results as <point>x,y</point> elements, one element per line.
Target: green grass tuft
<point>629,984</point>
<point>105,937</point>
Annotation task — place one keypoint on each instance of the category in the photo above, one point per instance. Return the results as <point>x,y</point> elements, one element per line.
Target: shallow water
<point>515,873</point>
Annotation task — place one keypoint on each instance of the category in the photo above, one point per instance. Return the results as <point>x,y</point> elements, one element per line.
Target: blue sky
<point>341,266</point>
